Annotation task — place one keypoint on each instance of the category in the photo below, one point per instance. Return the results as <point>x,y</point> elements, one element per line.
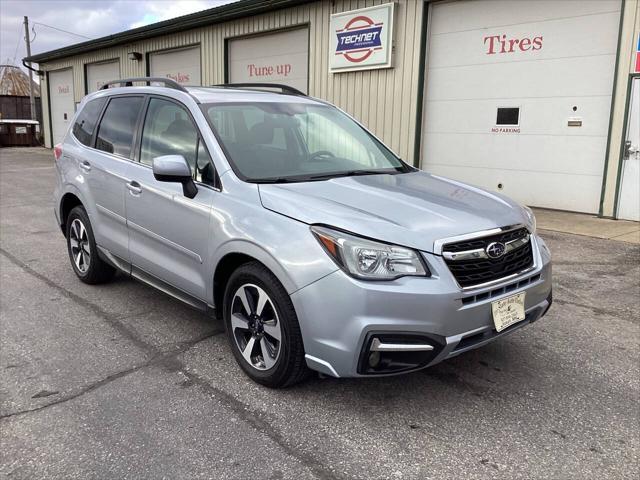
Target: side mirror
<point>174,168</point>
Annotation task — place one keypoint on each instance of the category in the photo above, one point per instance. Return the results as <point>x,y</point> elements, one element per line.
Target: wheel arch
<point>235,254</point>
<point>68,202</point>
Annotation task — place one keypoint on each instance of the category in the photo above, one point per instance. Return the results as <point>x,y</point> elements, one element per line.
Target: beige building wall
<point>626,64</point>
<point>384,100</point>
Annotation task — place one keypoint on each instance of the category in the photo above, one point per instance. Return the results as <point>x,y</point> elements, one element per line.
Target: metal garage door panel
<point>476,151</point>
<point>531,188</point>
<point>541,161</point>
<point>100,73</point>
<point>540,117</point>
<point>464,15</point>
<point>182,65</point>
<point>281,57</point>
<point>549,79</point>
<point>538,185</point>
<point>62,104</point>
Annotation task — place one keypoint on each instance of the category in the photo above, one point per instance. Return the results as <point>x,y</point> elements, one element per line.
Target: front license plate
<point>508,311</point>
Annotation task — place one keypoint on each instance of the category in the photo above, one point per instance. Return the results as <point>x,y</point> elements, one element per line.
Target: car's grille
<point>476,271</point>
<point>483,242</point>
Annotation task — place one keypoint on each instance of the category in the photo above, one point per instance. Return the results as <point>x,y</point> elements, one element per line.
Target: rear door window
<point>86,121</point>
<point>118,124</point>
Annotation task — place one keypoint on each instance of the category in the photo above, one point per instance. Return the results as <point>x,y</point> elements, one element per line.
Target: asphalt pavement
<point>122,381</point>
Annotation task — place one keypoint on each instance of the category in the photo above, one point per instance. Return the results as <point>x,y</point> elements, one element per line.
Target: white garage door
<point>281,57</point>
<point>100,73</point>
<point>518,97</point>
<point>62,105</point>
<point>181,65</point>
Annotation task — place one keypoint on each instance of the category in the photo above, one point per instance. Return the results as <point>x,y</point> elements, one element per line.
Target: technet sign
<point>361,39</point>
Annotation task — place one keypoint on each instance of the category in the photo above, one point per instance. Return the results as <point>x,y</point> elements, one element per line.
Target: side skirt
<point>148,279</point>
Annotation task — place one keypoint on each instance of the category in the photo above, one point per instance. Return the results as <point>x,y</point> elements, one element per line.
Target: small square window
<point>508,116</point>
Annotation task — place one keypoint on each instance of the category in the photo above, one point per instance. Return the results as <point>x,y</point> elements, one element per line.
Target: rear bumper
<point>340,315</point>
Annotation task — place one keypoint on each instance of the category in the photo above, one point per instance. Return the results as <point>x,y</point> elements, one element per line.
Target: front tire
<point>262,327</point>
<point>83,253</point>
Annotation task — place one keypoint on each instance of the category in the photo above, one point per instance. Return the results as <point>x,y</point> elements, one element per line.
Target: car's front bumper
<point>339,314</point>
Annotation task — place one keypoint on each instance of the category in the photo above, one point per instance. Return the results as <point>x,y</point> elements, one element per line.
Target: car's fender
<point>241,225</point>
<point>259,253</point>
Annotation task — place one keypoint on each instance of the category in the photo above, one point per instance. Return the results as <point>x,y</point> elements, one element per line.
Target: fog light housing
<point>388,353</point>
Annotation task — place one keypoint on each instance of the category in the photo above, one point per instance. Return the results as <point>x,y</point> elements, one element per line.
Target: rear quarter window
<point>86,121</point>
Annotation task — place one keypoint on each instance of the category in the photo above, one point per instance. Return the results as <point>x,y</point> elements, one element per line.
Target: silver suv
<point>318,247</point>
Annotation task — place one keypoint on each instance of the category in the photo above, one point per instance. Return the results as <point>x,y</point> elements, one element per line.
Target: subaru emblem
<point>495,250</point>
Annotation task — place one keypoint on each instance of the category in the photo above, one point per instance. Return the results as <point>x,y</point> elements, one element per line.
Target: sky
<point>88,18</point>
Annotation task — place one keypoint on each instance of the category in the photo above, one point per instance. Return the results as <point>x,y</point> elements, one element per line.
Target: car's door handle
<point>134,187</point>
<point>84,165</point>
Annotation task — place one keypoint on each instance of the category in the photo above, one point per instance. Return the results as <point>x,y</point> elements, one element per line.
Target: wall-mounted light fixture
<point>135,56</point>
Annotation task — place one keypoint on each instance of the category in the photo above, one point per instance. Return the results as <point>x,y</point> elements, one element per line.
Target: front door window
<point>169,130</point>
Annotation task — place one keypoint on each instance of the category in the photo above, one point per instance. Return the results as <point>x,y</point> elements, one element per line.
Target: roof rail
<point>128,82</point>
<point>285,88</point>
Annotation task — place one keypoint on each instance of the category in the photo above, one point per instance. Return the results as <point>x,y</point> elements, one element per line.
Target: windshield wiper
<point>275,180</point>
<point>351,173</point>
<point>324,176</point>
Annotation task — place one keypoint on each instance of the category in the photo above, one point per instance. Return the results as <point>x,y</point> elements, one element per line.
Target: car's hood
<point>412,209</point>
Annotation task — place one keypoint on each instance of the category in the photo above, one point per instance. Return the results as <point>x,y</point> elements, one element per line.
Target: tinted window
<point>87,119</point>
<point>205,172</point>
<point>118,124</point>
<point>169,130</point>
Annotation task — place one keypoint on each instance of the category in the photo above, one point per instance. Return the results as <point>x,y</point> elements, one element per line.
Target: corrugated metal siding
<point>384,100</point>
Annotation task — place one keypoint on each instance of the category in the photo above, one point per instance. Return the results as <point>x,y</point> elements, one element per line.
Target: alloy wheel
<point>256,327</point>
<point>80,246</point>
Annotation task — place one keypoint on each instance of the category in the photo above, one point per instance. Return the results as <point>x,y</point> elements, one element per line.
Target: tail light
<point>57,151</point>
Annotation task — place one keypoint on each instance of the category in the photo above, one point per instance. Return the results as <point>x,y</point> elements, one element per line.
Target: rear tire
<point>262,327</point>
<point>83,252</point>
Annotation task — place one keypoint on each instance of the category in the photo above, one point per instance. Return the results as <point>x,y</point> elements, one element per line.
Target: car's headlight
<point>367,259</point>
<point>531,219</point>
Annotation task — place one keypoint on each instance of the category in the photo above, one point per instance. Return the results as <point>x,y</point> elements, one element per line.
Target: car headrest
<point>179,127</point>
<point>261,133</point>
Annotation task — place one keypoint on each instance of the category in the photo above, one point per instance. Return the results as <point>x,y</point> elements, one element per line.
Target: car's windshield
<point>280,142</point>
